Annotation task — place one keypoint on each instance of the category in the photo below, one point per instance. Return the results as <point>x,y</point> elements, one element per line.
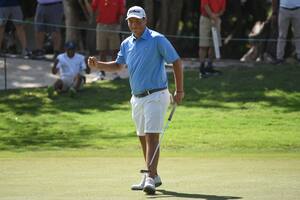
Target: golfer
<point>145,53</point>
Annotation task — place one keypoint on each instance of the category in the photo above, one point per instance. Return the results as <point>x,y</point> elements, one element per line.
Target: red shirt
<point>109,11</point>
<point>216,6</point>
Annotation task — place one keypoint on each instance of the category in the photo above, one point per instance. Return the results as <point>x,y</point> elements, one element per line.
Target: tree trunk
<point>170,14</point>
<point>71,19</point>
<point>149,9</point>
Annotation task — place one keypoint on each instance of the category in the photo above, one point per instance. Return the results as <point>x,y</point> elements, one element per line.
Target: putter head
<point>144,171</point>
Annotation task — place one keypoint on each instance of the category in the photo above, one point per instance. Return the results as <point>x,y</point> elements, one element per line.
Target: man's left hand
<point>178,96</point>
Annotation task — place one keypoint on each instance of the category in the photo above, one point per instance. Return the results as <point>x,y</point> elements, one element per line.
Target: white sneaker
<point>140,186</point>
<point>157,181</point>
<point>149,187</point>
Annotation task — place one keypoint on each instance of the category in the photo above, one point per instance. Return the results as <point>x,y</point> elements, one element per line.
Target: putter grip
<point>172,112</point>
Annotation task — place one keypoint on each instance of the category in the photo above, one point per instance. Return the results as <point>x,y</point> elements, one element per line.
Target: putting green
<point>210,178</point>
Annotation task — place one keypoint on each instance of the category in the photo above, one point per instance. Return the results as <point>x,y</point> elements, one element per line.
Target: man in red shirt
<point>211,10</point>
<point>109,16</point>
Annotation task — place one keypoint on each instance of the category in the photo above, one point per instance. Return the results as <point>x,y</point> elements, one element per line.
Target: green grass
<point>205,178</point>
<point>252,110</point>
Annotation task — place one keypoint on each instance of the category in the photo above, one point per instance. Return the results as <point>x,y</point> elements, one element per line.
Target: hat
<point>70,45</point>
<point>136,11</point>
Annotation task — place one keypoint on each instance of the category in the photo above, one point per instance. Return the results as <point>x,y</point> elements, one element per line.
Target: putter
<point>161,138</point>
<point>216,42</point>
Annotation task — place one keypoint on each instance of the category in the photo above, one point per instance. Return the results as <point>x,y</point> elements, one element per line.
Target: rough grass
<point>245,110</point>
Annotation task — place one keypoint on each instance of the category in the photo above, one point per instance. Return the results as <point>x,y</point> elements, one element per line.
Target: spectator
<point>289,13</point>
<point>211,11</point>
<point>48,17</point>
<point>78,13</point>
<point>145,52</point>
<point>11,10</point>
<point>109,16</point>
<point>71,67</point>
<point>270,54</point>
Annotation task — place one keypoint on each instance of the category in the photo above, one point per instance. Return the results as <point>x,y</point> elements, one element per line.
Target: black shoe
<point>26,53</point>
<point>202,72</point>
<point>204,75</point>
<point>278,62</point>
<point>39,54</point>
<point>212,71</point>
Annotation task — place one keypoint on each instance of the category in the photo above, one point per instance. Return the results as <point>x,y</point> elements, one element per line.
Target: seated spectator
<point>11,10</point>
<point>48,18</point>
<point>71,67</point>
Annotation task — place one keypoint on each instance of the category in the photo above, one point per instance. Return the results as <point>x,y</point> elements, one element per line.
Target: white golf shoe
<point>140,186</point>
<point>149,187</point>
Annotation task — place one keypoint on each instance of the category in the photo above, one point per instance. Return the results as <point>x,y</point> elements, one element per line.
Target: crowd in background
<point>81,26</point>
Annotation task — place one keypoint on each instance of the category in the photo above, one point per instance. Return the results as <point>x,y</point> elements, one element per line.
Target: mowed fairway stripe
<point>82,178</point>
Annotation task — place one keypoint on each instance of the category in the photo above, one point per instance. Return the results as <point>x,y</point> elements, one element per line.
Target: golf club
<point>161,138</point>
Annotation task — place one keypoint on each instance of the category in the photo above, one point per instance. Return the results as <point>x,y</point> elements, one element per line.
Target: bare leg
<point>58,85</point>
<point>202,53</point>
<point>56,39</point>
<point>21,35</point>
<point>152,140</point>
<point>143,144</point>
<point>211,53</point>
<point>202,56</point>
<point>78,81</point>
<point>103,57</point>
<point>39,39</point>
<point>2,28</point>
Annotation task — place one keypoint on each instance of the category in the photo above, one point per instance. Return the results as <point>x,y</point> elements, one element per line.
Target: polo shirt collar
<point>144,36</point>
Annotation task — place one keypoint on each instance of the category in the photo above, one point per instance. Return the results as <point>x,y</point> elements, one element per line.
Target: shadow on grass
<point>105,96</point>
<point>274,86</point>
<point>23,128</point>
<point>167,193</point>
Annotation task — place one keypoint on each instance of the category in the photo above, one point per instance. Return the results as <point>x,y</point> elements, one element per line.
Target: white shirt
<point>70,67</point>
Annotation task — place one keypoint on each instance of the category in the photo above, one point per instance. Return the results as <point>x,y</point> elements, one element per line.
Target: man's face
<point>137,26</point>
<point>70,53</point>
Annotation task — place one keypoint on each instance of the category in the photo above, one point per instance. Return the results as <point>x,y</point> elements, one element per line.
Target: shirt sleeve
<point>166,49</point>
<point>58,65</point>
<point>120,58</point>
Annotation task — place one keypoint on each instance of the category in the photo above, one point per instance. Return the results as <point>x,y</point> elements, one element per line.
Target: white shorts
<point>148,113</point>
<point>69,82</point>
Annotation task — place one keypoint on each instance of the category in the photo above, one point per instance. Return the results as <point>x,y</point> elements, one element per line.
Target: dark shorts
<point>13,13</point>
<point>49,17</point>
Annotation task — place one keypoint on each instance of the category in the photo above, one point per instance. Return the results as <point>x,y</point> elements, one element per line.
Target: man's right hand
<point>215,20</point>
<point>92,62</point>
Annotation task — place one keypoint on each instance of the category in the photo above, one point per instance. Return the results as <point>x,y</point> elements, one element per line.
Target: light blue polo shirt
<point>145,58</point>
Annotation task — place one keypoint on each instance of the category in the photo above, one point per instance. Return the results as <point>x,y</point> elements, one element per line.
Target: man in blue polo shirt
<point>145,52</point>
